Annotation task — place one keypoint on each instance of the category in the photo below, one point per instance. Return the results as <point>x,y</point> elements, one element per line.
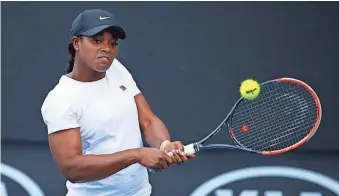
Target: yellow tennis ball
<point>249,89</point>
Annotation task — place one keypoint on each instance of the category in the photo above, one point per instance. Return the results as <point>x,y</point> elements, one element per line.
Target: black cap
<point>91,22</point>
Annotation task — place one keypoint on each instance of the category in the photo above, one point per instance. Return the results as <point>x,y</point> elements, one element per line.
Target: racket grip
<point>189,149</point>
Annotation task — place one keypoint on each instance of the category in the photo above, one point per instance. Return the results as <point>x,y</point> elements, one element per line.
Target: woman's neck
<point>84,73</point>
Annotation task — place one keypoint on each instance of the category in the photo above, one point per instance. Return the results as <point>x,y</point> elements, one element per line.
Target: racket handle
<point>189,149</point>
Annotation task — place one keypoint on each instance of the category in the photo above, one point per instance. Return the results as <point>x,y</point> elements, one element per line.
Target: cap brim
<point>111,28</point>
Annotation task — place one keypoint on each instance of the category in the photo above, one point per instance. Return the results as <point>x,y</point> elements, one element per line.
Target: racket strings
<point>264,131</point>
<point>266,135</point>
<point>286,138</point>
<point>264,111</point>
<point>262,119</point>
<point>264,108</point>
<point>279,117</point>
<point>260,115</point>
<point>260,141</point>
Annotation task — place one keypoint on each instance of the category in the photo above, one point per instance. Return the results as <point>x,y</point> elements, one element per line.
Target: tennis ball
<point>249,89</point>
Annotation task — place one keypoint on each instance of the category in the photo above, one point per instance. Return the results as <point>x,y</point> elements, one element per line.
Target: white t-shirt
<point>106,113</point>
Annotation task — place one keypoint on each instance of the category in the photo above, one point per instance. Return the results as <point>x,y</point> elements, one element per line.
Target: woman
<point>95,115</point>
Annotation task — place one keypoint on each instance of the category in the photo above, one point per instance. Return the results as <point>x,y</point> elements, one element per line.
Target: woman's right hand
<point>154,159</point>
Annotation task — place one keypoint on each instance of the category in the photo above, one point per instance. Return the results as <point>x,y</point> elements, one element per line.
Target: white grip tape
<point>189,149</point>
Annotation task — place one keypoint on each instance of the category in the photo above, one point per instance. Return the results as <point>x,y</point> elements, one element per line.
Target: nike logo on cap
<point>103,18</point>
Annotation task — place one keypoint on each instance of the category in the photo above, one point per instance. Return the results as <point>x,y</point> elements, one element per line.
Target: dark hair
<point>71,52</point>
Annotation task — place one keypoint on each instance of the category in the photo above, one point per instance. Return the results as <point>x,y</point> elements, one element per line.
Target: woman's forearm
<point>156,132</point>
<point>83,168</point>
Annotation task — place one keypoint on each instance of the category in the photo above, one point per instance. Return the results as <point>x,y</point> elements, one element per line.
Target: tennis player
<point>95,116</point>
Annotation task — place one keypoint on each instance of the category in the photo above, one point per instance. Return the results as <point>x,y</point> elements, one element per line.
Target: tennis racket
<point>284,116</point>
